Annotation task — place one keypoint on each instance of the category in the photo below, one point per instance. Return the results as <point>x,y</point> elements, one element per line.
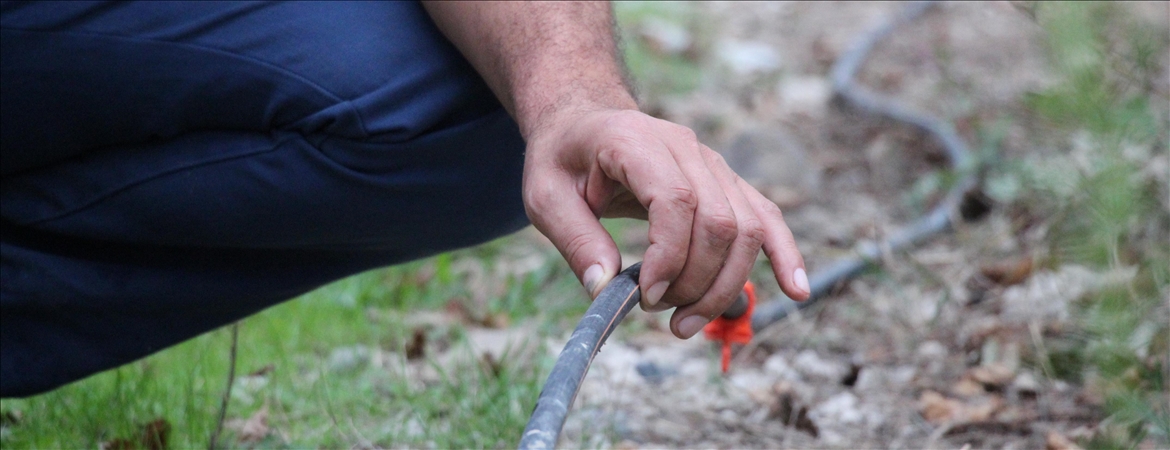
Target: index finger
<point>779,245</point>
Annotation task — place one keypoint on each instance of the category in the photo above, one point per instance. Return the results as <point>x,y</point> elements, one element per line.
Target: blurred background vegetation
<point>355,363</point>
<point>1108,203</point>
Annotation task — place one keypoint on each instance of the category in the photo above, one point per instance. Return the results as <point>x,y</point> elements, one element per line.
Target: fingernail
<point>655,292</point>
<point>592,277</point>
<point>690,326</point>
<point>801,280</point>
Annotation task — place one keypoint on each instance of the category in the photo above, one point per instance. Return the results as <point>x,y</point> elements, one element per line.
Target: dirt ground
<point>927,352</point>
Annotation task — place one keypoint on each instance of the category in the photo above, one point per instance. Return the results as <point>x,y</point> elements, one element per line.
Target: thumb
<point>577,233</point>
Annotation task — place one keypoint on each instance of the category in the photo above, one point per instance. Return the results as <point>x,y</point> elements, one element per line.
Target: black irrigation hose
<point>607,310</point>
<point>620,296</point>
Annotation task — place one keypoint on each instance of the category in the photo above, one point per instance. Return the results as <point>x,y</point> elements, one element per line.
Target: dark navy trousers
<point>168,168</point>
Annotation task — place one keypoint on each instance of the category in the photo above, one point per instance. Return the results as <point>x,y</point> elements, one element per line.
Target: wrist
<point>536,116</point>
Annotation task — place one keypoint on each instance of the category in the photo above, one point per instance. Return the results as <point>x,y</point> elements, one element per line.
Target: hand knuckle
<point>687,135</point>
<point>619,120</point>
<point>752,232</point>
<point>620,138</point>
<point>721,228</point>
<point>536,197</point>
<point>713,158</point>
<point>682,197</point>
<point>610,153</point>
<point>769,209</point>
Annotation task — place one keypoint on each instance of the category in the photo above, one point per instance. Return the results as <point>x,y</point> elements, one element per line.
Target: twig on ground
<point>227,392</point>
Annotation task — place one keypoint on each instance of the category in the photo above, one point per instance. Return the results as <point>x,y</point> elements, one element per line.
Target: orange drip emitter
<point>735,325</point>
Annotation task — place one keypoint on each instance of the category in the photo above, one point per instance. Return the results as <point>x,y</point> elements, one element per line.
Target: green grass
<point>316,396</point>
<point>656,74</point>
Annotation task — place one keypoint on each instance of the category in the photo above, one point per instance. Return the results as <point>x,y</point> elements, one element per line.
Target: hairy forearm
<point>543,60</point>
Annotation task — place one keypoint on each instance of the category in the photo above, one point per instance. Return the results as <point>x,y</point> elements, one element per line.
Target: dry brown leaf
<point>263,371</point>
<point>1057,441</point>
<point>785,407</point>
<point>1008,272</point>
<point>1026,386</point>
<point>967,387</point>
<point>457,308</point>
<point>1014,414</point>
<point>496,320</point>
<point>983,411</point>
<point>937,409</point>
<point>12,417</point>
<point>1082,433</point>
<point>417,347</point>
<point>491,365</point>
<point>153,435</point>
<point>994,375</point>
<point>255,429</point>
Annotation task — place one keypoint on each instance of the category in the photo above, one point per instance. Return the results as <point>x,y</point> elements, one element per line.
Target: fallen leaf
<point>12,417</point>
<point>1026,386</point>
<point>1014,414</point>
<point>457,308</point>
<point>975,205</point>
<point>263,371</point>
<point>1008,272</point>
<point>496,320</point>
<point>255,429</point>
<point>1057,441</point>
<point>785,408</point>
<point>937,409</point>
<point>493,366</point>
<point>417,347</point>
<point>967,387</point>
<point>994,375</point>
<point>851,377</point>
<point>981,412</point>
<point>153,435</point>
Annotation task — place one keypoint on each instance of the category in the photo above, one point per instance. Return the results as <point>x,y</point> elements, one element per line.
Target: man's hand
<point>706,224</point>
<point>591,154</point>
